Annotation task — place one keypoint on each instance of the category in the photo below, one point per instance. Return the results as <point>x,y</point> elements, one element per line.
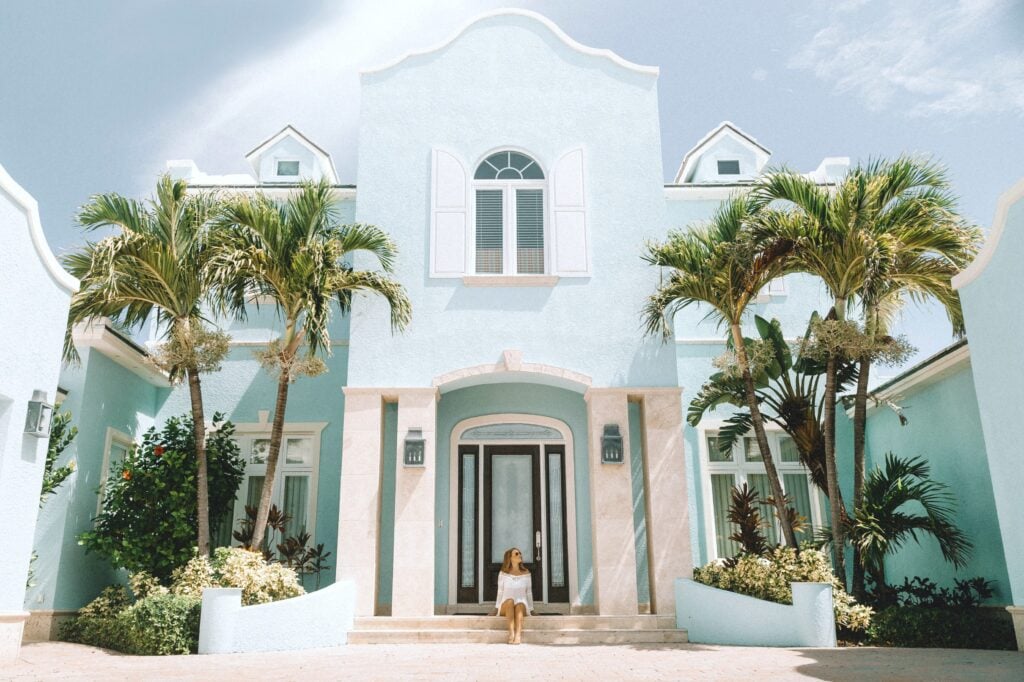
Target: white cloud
<point>920,57</point>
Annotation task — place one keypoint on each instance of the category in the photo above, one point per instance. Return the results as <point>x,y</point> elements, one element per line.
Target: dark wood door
<point>512,512</point>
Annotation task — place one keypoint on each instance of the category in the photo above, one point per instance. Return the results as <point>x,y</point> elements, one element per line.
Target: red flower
<point>158,450</point>
<point>126,475</point>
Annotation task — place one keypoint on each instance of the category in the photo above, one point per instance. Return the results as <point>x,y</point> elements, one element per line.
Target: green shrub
<point>769,578</point>
<point>261,582</point>
<point>149,522</point>
<point>963,628</point>
<point>161,625</point>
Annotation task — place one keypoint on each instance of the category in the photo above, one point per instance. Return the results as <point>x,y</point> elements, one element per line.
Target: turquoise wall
<point>545,401</point>
<point>992,314</point>
<point>945,428</point>
<point>101,394</point>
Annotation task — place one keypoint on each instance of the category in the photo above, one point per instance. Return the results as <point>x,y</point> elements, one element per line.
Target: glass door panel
<point>511,511</point>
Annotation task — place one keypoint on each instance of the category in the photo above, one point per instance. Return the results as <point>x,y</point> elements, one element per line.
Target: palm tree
<point>914,219</point>
<point>719,266</point>
<point>883,523</point>
<point>296,254</point>
<point>155,265</point>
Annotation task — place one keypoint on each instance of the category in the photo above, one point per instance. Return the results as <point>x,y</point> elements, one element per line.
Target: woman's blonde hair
<point>506,562</point>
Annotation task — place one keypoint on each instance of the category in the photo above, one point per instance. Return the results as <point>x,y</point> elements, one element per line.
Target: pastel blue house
<point>520,174</point>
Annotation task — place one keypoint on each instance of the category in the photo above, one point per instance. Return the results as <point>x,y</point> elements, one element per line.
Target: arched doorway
<point>512,485</point>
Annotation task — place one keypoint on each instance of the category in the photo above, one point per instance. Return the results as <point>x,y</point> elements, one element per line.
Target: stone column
<point>668,511</point>
<point>359,506</point>
<point>412,592</point>
<point>611,504</point>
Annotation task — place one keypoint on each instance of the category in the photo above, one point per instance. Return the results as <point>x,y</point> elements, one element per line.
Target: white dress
<point>518,588</point>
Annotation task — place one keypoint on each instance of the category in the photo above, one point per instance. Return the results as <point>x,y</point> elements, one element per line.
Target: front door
<point>512,496</point>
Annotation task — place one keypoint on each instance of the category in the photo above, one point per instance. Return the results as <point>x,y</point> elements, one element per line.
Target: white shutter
<point>449,211</point>
<point>571,243</point>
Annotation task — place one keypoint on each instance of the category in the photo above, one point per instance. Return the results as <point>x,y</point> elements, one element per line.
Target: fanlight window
<point>509,215</point>
<point>508,166</point>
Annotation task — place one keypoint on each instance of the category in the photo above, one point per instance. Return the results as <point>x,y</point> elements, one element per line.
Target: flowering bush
<point>149,522</point>
<point>261,582</point>
<point>769,578</point>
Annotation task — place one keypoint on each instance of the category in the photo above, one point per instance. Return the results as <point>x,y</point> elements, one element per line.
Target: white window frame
<point>740,468</point>
<point>287,178</point>
<point>113,437</point>
<point>509,227</point>
<point>246,433</point>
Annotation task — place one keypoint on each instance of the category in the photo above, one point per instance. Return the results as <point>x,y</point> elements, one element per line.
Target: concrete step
<point>489,636</point>
<point>532,623</point>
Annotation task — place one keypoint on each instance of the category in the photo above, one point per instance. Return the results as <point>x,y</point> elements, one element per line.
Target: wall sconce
<point>611,445</point>
<point>415,448</point>
<point>37,419</point>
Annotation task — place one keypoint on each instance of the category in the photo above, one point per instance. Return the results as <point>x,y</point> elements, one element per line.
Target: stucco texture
<point>992,315</point>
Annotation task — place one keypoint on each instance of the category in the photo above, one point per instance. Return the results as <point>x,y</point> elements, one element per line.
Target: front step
<point>537,630</point>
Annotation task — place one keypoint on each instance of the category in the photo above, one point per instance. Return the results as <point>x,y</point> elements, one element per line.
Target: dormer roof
<point>324,161</point>
<point>724,129</point>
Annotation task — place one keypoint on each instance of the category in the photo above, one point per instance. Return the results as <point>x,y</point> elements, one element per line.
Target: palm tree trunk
<point>276,431</point>
<point>202,480</point>
<point>860,414</point>
<point>762,438</point>
<point>838,539</point>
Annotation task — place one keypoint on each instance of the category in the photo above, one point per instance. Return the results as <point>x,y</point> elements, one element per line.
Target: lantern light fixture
<point>415,449</point>
<point>611,445</point>
<point>40,412</point>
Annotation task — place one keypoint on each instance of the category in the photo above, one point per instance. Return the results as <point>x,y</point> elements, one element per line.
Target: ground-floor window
<point>742,464</point>
<point>295,482</point>
<point>116,446</point>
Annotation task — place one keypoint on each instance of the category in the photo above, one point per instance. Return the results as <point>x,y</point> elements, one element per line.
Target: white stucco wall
<point>36,293</point>
<point>509,81</point>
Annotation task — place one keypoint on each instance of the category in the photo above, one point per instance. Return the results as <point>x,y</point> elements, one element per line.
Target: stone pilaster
<point>359,504</point>
<point>668,511</point>
<point>611,504</point>
<point>412,592</point>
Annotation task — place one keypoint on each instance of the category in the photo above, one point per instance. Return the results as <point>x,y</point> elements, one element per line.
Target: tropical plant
<point>886,229</point>
<point>155,265</point>
<point>61,435</point>
<point>887,519</point>
<point>149,513</point>
<point>744,514</point>
<point>296,254</point>
<point>719,266</point>
<point>261,581</point>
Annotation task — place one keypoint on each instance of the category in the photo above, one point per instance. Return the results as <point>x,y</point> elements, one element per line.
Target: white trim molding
<point>937,367</point>
<point>539,18</point>
<point>512,368</point>
<point>978,265</point>
<point>28,204</point>
<point>97,334</point>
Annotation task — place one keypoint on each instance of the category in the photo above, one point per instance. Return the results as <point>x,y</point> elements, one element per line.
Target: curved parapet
<point>31,208</point>
<point>978,265</point>
<point>539,18</point>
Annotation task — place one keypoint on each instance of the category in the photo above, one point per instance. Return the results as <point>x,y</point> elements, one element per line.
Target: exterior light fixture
<point>611,445</point>
<point>415,448</point>
<point>37,419</point>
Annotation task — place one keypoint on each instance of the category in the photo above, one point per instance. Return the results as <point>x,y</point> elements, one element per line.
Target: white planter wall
<point>312,621</point>
<point>713,616</point>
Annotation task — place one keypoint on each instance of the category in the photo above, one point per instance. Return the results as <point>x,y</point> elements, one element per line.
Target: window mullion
<point>510,230</point>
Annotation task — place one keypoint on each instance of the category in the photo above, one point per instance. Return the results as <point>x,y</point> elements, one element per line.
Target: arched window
<point>509,192</point>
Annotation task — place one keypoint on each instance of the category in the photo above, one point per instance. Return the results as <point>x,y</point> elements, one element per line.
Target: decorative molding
<point>28,204</point>
<point>978,265</point>
<point>550,25</point>
<point>512,368</point>
<point>510,280</point>
<point>98,335</point>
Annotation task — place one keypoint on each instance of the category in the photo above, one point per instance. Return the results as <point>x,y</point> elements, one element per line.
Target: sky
<point>96,96</point>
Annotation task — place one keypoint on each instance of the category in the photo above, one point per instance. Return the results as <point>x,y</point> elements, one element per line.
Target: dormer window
<point>288,168</point>
<point>509,193</point>
<point>729,167</point>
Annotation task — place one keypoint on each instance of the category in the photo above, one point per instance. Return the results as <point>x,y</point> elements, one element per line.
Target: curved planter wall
<point>312,621</point>
<point>713,616</point>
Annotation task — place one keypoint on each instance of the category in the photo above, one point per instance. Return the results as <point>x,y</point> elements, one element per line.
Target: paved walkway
<point>60,661</point>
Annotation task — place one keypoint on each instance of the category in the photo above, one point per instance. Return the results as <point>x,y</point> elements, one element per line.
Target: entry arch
<point>498,419</point>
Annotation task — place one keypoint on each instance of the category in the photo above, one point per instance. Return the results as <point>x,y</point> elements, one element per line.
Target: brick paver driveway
<point>59,661</point>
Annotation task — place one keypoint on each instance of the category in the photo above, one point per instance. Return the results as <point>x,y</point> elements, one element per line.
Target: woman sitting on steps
<point>515,593</point>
